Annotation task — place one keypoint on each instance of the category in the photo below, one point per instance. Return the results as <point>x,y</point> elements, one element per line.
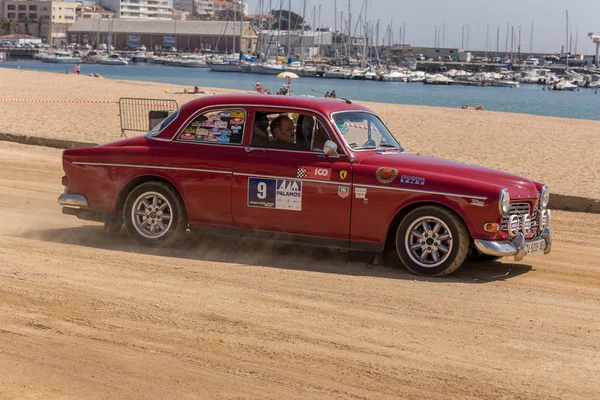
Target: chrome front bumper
<point>72,200</point>
<point>515,247</point>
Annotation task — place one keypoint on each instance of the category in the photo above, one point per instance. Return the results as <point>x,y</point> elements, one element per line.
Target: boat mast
<point>279,26</point>
<point>366,29</point>
<point>334,36</point>
<point>567,42</point>
<point>241,26</point>
<point>302,32</point>
<point>289,27</point>
<point>233,30</point>
<point>349,28</point>
<point>314,35</point>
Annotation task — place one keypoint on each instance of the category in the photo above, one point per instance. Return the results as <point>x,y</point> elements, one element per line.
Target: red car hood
<point>437,170</point>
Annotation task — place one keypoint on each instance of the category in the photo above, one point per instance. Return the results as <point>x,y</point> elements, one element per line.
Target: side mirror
<point>330,148</point>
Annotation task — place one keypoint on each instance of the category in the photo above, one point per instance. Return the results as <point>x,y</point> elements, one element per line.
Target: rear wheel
<point>154,214</point>
<point>432,241</point>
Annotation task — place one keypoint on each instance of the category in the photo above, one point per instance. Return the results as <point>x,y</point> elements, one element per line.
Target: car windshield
<point>158,128</point>
<point>363,130</point>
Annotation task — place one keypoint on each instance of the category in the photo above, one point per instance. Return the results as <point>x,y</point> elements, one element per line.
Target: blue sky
<point>421,17</point>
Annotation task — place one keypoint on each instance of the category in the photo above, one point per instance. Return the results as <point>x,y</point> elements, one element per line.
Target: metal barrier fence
<point>140,114</point>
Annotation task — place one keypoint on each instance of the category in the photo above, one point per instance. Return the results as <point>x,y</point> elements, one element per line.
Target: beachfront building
<point>195,8</point>
<point>159,35</point>
<point>94,11</point>
<point>219,6</point>
<point>19,38</point>
<point>48,20</point>
<point>140,9</point>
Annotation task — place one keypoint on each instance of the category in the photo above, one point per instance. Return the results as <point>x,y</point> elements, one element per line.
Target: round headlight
<point>504,201</point>
<point>544,197</point>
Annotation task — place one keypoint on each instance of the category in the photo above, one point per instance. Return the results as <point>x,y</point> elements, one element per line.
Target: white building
<point>222,5</point>
<point>140,9</point>
<point>201,7</point>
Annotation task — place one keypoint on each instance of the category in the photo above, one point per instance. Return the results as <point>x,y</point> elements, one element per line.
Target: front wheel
<point>154,214</point>
<point>432,241</point>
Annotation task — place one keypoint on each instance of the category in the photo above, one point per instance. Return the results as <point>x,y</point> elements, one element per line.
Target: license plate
<point>535,246</point>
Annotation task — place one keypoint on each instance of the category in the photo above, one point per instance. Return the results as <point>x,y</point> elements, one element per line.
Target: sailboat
<point>111,59</point>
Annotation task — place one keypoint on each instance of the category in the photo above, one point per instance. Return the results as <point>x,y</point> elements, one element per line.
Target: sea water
<point>527,99</point>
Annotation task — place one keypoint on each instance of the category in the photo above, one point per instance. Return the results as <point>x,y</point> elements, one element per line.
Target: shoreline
<point>413,94</point>
<point>553,150</point>
<point>174,89</point>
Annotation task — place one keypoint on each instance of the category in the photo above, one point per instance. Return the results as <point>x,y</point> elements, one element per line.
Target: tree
<point>289,20</point>
<point>9,26</point>
<point>227,15</point>
<point>3,25</point>
<point>25,22</point>
<point>40,22</point>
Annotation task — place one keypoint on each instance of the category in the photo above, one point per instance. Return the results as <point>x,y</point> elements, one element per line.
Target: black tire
<point>452,235</point>
<point>112,225</point>
<point>174,212</point>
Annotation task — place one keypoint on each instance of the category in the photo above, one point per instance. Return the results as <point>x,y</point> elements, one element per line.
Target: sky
<point>422,17</point>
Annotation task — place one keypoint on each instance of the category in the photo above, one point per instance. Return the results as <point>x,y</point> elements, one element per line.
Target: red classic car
<point>317,171</point>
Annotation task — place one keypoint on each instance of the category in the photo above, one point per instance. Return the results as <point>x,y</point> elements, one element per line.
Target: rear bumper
<point>72,200</point>
<point>77,205</point>
<point>515,247</point>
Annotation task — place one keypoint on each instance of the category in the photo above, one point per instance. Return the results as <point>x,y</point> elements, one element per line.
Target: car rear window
<point>163,124</point>
<point>223,126</point>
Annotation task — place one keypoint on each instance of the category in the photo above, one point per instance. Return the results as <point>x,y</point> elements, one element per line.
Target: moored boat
<point>61,57</point>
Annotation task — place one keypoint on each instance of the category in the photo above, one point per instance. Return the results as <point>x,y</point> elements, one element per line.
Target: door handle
<point>251,149</point>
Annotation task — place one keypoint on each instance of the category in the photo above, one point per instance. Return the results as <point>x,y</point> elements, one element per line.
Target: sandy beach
<point>558,151</point>
<point>84,316</point>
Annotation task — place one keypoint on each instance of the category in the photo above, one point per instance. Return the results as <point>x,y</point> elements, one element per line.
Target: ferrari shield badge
<point>386,175</point>
<point>343,174</point>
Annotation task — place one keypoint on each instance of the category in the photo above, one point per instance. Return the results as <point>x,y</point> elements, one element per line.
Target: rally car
<point>324,172</point>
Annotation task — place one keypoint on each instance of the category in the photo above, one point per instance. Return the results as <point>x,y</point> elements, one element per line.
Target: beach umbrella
<point>287,75</point>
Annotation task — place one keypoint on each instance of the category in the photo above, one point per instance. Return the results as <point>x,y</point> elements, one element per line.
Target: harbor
<point>527,99</point>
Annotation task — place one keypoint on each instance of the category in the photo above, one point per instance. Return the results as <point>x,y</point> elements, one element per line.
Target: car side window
<point>216,126</point>
<point>288,131</point>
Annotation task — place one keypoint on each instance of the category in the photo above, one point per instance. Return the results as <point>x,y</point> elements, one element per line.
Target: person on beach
<point>327,95</point>
<point>196,90</point>
<point>333,95</point>
<point>78,69</point>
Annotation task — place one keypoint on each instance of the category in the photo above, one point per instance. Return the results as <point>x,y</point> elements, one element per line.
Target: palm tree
<point>40,22</point>
<point>25,22</point>
<point>10,26</point>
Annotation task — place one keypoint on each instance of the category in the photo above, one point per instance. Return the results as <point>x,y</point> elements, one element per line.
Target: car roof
<point>324,106</point>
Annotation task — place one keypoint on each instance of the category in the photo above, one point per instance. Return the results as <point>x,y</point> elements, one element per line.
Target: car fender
<point>456,204</point>
<point>142,176</point>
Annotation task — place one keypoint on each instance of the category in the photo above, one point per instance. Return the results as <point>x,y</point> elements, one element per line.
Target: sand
<point>560,152</point>
<point>83,316</point>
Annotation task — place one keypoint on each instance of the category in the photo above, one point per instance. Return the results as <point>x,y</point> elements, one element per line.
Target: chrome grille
<point>518,209</point>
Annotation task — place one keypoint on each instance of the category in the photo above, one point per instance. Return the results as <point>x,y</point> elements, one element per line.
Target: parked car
<point>314,171</point>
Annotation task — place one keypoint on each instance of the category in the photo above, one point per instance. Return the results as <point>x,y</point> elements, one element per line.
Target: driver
<point>284,133</point>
